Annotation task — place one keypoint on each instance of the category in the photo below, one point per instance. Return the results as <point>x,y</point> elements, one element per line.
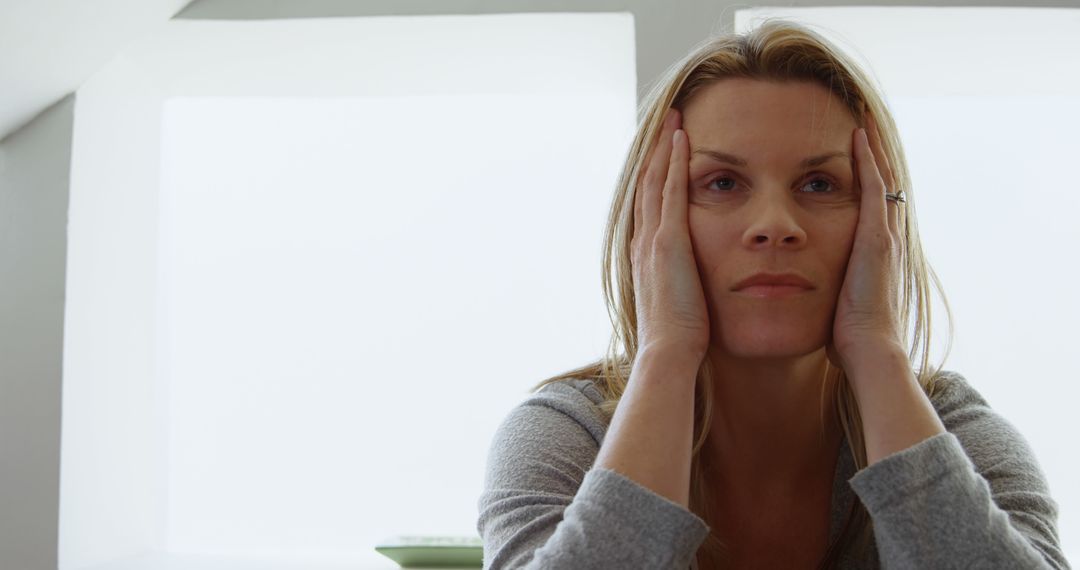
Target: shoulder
<point>966,413</point>
<point>996,447</point>
<point>575,400</point>
<point>962,408</point>
<point>953,393</point>
<point>1004,458</point>
<point>549,440</point>
<point>543,505</point>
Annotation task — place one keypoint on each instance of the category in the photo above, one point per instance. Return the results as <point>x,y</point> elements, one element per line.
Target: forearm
<point>933,505</point>
<point>896,414</point>
<point>651,434</point>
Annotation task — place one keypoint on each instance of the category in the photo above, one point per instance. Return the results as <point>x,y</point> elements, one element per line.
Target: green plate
<point>434,551</point>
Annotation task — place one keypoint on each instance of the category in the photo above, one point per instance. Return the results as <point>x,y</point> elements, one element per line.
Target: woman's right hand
<point>669,298</point>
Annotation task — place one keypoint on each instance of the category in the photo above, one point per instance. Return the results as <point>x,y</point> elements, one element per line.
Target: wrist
<point>869,357</point>
<point>675,360</point>
<point>870,367</point>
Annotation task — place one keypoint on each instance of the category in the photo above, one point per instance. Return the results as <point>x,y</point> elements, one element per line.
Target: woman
<point>764,411</point>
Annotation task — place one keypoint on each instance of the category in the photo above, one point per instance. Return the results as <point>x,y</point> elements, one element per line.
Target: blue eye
<point>827,181</point>
<point>832,187</point>
<point>717,179</point>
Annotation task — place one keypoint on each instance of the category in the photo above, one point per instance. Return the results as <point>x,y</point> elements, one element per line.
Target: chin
<point>772,339</point>
<point>770,348</point>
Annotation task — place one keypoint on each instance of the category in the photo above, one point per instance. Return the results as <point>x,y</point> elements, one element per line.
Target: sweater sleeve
<point>544,506</point>
<point>972,497</point>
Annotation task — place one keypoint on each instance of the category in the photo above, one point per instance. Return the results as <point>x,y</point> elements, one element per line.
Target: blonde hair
<point>777,50</point>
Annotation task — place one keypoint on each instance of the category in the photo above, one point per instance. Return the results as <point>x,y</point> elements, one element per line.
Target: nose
<point>773,224</point>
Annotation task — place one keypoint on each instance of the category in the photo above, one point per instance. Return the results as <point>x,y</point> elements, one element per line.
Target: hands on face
<point>868,309</point>
<point>669,297</point>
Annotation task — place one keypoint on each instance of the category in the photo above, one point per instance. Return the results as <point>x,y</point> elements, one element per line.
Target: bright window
<point>314,263</point>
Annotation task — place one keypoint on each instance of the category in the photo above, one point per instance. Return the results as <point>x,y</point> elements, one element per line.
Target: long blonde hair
<point>776,50</point>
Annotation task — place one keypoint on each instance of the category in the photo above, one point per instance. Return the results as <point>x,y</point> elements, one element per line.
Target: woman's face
<point>772,213</point>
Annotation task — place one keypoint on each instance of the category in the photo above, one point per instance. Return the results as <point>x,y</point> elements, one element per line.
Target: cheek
<point>840,238</point>
<point>712,240</point>
<point>843,228</point>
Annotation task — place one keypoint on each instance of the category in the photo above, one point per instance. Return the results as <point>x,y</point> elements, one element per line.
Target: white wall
<point>52,46</point>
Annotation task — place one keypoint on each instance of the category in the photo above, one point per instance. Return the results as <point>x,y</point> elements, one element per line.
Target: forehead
<point>752,111</point>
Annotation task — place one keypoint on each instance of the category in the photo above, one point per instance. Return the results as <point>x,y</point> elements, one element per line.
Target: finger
<point>892,215</point>
<point>871,187</point>
<point>654,179</point>
<point>665,124</point>
<point>674,206</point>
<point>882,162</point>
<point>639,186</point>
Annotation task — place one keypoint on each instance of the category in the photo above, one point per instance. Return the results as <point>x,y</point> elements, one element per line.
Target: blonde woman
<point>759,407</point>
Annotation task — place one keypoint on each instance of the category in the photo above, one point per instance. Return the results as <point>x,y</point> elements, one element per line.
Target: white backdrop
<point>358,291</point>
<point>308,280</point>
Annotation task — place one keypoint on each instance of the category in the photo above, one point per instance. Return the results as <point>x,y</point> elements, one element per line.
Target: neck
<point>774,428</point>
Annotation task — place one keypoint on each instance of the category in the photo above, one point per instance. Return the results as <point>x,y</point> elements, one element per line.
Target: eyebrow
<point>806,163</point>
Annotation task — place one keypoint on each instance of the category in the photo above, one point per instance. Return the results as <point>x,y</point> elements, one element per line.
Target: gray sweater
<point>973,497</point>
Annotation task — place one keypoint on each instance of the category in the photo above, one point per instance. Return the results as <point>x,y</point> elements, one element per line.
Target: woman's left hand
<point>867,311</point>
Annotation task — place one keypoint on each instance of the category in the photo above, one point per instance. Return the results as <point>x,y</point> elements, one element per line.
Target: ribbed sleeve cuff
<point>897,477</point>
<point>645,516</point>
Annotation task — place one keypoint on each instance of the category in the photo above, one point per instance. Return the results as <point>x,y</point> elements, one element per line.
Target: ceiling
<point>48,48</point>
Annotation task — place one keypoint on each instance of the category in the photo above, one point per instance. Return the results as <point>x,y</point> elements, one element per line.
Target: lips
<point>790,279</point>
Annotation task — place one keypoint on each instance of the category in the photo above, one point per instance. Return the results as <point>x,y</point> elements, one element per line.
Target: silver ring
<point>898,197</point>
